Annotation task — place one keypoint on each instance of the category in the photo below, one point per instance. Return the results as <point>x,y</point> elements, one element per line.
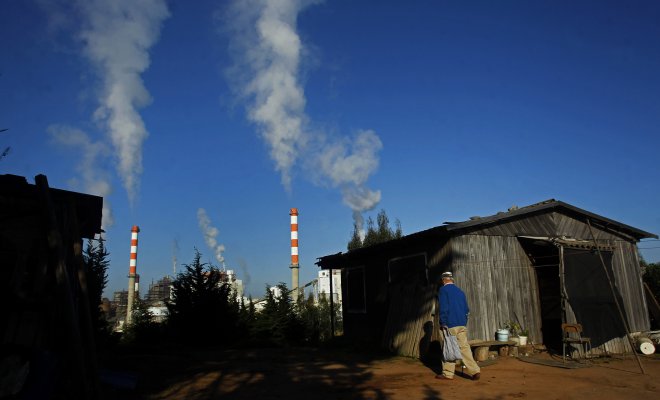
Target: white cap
<point>447,275</point>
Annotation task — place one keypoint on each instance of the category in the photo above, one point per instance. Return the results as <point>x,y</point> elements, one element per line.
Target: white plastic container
<point>502,335</point>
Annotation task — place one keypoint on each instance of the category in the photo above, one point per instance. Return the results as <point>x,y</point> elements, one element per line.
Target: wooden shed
<point>46,343</point>
<point>538,265</point>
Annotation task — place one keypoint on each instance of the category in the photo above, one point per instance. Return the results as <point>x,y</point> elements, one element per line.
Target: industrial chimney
<point>132,275</point>
<point>294,252</point>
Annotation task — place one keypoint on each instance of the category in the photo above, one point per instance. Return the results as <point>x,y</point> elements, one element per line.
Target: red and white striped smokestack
<point>294,251</point>
<point>294,236</point>
<point>132,273</point>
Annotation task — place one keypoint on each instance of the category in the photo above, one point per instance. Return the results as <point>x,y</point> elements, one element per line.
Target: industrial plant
<point>118,311</point>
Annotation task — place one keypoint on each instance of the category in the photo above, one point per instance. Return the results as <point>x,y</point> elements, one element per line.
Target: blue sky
<point>235,112</point>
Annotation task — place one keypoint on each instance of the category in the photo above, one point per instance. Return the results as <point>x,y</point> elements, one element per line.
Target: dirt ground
<point>303,373</point>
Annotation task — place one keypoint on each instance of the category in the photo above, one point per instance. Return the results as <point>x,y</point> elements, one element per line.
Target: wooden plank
<point>481,343</point>
<point>499,282</point>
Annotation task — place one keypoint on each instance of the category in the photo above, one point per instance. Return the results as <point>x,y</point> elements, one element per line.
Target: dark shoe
<point>476,376</point>
<point>443,378</point>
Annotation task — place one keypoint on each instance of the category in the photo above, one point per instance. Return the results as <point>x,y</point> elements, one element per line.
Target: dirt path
<point>313,374</point>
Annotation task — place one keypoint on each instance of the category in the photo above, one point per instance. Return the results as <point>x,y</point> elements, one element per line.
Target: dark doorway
<point>544,256</point>
<point>587,279</point>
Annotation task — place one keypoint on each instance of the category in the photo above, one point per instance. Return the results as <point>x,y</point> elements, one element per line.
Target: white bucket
<point>523,340</point>
<point>502,335</point>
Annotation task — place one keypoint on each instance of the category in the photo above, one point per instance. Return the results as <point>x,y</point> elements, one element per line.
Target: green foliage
<point>398,232</point>
<point>279,322</point>
<point>371,237</point>
<point>316,320</point>
<point>96,262</point>
<point>288,326</point>
<point>264,321</point>
<point>356,241</point>
<point>383,233</point>
<point>142,329</point>
<point>246,317</point>
<point>282,323</point>
<point>515,328</point>
<point>202,308</point>
<point>652,278</point>
<point>311,320</point>
<point>377,232</point>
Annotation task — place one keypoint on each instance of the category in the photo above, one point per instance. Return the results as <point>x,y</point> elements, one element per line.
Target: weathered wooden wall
<point>492,268</point>
<point>627,273</point>
<point>366,326</point>
<point>409,325</point>
<point>499,282</point>
<point>628,282</point>
<point>628,279</point>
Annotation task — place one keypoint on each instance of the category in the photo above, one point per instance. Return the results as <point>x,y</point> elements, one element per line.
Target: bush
<point>652,278</point>
<point>202,309</point>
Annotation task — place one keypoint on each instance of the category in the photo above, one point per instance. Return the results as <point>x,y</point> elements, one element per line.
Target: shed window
<point>409,269</point>
<point>355,290</point>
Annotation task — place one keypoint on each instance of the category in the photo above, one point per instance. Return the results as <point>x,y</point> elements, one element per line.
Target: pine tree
<point>398,233</point>
<point>325,324</point>
<point>309,315</point>
<point>381,232</point>
<point>371,237</point>
<point>288,327</point>
<point>356,241</point>
<point>264,322</point>
<point>142,329</point>
<point>651,278</point>
<point>95,259</point>
<point>201,307</point>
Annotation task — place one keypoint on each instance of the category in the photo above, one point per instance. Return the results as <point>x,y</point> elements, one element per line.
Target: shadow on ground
<point>292,373</point>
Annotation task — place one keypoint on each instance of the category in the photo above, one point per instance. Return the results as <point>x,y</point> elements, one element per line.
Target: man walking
<point>453,316</point>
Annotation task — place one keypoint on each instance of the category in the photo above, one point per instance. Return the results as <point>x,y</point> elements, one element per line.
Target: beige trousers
<point>471,367</point>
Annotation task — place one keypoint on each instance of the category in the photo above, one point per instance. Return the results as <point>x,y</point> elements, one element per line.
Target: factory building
<point>159,291</point>
<point>235,283</point>
<point>326,286</point>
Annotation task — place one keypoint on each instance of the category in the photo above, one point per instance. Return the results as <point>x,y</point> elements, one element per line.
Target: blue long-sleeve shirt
<point>453,306</point>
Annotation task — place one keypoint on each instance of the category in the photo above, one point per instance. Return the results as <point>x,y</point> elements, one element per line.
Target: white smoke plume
<point>117,36</point>
<point>175,252</point>
<point>94,180</point>
<point>269,50</point>
<point>210,235</point>
<point>348,164</point>
<point>247,277</point>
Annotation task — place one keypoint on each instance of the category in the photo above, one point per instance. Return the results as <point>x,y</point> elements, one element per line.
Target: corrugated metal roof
<point>456,228</point>
<point>550,205</point>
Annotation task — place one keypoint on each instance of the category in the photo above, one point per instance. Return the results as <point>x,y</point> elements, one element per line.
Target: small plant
<point>513,327</point>
<point>516,329</point>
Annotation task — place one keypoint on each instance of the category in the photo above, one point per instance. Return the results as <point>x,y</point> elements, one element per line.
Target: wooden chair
<point>572,334</point>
